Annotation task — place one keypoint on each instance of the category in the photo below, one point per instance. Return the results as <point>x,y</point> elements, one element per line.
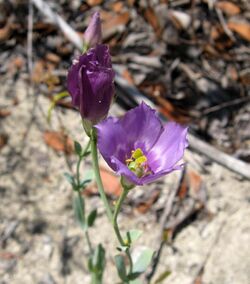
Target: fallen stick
<point>71,34</point>
<point>196,144</point>
<point>225,160</point>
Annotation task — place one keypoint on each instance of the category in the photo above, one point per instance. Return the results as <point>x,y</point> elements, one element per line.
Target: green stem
<point>78,172</point>
<point>80,158</point>
<point>96,279</point>
<point>91,251</point>
<point>117,211</point>
<point>84,230</point>
<point>116,228</point>
<point>112,219</point>
<point>98,177</point>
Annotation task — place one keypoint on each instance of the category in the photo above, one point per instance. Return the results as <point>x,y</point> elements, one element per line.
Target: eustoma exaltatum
<point>138,146</point>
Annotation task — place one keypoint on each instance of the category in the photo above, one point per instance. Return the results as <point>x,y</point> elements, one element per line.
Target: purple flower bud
<point>93,33</point>
<point>138,147</point>
<point>91,83</point>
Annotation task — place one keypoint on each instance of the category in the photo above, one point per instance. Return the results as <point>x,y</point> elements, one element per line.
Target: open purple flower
<point>91,83</point>
<point>93,33</point>
<point>138,147</point>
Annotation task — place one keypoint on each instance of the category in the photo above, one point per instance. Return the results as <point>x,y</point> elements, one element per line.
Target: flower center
<point>137,163</point>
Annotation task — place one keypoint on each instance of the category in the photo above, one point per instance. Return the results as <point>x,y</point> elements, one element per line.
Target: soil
<point>40,240</point>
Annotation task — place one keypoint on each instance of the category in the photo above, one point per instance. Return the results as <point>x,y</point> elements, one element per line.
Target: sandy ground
<point>40,241</point>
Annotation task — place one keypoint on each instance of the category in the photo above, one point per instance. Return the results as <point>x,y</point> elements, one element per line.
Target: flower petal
<point>96,93</point>
<point>155,176</point>
<point>123,170</point>
<point>93,33</point>
<point>91,83</point>
<point>169,148</point>
<point>142,127</point>
<point>72,84</point>
<point>111,141</point>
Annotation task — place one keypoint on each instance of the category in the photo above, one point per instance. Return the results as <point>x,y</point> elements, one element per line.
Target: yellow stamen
<point>137,163</point>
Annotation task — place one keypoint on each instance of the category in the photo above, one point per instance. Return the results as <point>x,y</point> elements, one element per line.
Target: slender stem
<point>85,230</point>
<point>80,158</point>
<point>112,218</point>
<point>78,171</point>
<point>79,163</point>
<point>117,211</point>
<point>88,241</point>
<point>98,177</point>
<point>116,228</point>
<point>96,279</point>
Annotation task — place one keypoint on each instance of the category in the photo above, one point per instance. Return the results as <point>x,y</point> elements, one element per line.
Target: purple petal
<point>123,170</point>
<point>142,127</point>
<point>73,85</point>
<point>169,148</point>
<point>91,83</point>
<point>112,141</point>
<point>155,176</point>
<point>96,93</point>
<point>93,33</point>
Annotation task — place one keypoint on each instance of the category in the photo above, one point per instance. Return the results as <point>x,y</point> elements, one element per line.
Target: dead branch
<point>225,160</point>
<point>71,35</point>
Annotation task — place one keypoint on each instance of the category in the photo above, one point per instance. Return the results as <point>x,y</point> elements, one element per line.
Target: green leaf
<point>96,264</point>
<point>86,153</point>
<point>70,179</point>
<point>89,175</point>
<point>78,205</point>
<point>90,265</point>
<point>133,235</point>
<point>143,261</point>
<point>84,183</point>
<point>162,277</point>
<point>78,148</point>
<point>132,276</point>
<point>91,217</point>
<point>121,267</point>
<point>98,260</point>
<point>136,281</point>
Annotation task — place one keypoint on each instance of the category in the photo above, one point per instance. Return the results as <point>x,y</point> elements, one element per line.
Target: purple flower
<point>138,147</point>
<point>93,33</point>
<point>91,83</point>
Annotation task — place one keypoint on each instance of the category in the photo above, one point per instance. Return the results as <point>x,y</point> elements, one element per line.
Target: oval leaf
<point>78,148</point>
<point>98,260</point>
<point>133,235</point>
<point>121,267</point>
<point>91,218</point>
<point>70,179</point>
<point>142,262</point>
<point>78,205</point>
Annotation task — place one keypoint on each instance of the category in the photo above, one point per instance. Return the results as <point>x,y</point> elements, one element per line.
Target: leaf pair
<point>141,262</point>
<point>79,150</point>
<point>97,261</point>
<point>139,266</point>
